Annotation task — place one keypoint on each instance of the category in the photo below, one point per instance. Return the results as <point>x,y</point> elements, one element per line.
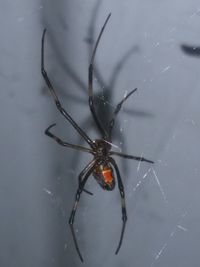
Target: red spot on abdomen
<point>108,177</point>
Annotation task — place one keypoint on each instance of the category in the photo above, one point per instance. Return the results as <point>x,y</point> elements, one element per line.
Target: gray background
<point>140,48</point>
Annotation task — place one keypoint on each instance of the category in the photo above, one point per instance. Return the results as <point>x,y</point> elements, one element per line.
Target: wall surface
<point>150,45</point>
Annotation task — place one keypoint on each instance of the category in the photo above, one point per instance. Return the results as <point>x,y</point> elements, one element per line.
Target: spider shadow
<point>103,107</point>
<point>106,93</point>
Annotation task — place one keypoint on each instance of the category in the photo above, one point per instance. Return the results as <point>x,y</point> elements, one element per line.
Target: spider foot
<point>51,126</point>
<point>88,192</point>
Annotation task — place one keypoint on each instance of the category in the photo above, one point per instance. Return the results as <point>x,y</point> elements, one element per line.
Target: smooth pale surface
<point>140,48</point>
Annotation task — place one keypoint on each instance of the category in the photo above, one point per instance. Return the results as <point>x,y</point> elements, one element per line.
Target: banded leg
<point>117,110</point>
<point>62,143</point>
<point>123,204</point>
<point>57,102</point>
<point>130,157</point>
<point>91,167</point>
<point>90,84</point>
<point>80,177</point>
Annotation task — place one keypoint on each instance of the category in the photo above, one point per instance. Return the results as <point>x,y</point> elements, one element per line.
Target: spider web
<point>168,139</point>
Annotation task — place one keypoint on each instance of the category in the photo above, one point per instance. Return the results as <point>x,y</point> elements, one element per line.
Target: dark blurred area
<point>191,50</point>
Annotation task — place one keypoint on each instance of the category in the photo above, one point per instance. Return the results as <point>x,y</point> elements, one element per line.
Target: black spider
<point>102,164</point>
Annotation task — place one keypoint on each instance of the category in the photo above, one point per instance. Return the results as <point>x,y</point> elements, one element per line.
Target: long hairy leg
<point>55,97</point>
<point>91,167</point>
<point>90,84</point>
<point>123,204</point>
<point>130,157</point>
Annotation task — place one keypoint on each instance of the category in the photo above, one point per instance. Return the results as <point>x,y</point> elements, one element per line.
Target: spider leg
<point>117,110</point>
<point>88,192</point>
<point>80,177</point>
<point>91,167</point>
<point>62,143</point>
<point>130,157</point>
<point>90,84</point>
<point>55,97</point>
<point>123,204</point>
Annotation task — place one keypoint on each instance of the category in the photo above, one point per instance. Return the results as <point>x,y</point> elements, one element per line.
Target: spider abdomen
<point>103,174</point>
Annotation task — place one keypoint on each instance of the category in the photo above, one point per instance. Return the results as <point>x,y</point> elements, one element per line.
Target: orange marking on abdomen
<point>107,174</point>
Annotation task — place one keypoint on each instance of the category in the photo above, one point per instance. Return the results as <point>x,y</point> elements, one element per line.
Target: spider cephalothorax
<point>102,147</point>
<point>102,166</point>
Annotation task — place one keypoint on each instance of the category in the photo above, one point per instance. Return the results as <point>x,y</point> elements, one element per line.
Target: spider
<point>103,166</point>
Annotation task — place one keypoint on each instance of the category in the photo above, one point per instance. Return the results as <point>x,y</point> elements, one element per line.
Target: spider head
<point>103,174</point>
<point>102,147</point>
